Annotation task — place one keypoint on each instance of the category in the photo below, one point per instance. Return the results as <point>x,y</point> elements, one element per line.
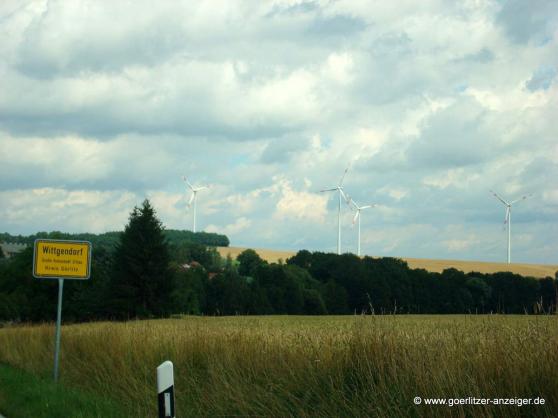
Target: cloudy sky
<point>433,103</point>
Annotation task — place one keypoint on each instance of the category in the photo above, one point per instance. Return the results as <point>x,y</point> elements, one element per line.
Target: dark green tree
<point>34,299</point>
<point>547,296</point>
<point>480,292</point>
<point>313,302</point>
<point>249,261</point>
<point>302,259</point>
<point>335,298</point>
<point>142,280</point>
<point>190,289</point>
<point>90,297</point>
<point>1,253</point>
<point>228,294</point>
<point>186,252</point>
<point>8,308</point>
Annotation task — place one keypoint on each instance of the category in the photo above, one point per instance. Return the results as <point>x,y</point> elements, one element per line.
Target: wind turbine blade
<point>367,206</point>
<point>201,188</point>
<point>521,198</point>
<point>328,190</point>
<point>352,203</point>
<point>191,199</point>
<point>357,214</point>
<point>343,194</point>
<point>507,218</point>
<point>344,174</point>
<point>499,198</point>
<point>188,183</point>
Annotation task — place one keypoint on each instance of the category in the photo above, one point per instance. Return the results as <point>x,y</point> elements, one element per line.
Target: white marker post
<point>60,260</point>
<point>165,389</point>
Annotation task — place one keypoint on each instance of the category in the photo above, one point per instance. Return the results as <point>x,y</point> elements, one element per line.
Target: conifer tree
<point>142,282</point>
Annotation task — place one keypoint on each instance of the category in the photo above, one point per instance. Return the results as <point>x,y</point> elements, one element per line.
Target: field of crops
<point>333,366</point>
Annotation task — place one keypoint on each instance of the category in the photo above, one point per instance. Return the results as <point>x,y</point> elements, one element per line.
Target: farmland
<point>305,366</point>
<point>432,265</point>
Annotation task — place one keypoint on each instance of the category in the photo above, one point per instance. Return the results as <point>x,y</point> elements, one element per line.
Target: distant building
<point>10,249</point>
<point>193,264</point>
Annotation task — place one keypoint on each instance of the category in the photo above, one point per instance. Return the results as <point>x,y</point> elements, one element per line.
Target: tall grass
<point>306,366</point>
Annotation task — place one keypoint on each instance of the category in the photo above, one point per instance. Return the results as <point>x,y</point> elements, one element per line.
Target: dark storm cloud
<point>148,46</point>
<point>454,137</point>
<point>314,23</point>
<point>131,162</point>
<point>95,39</point>
<point>336,26</point>
<point>281,150</point>
<point>524,21</point>
<point>103,124</point>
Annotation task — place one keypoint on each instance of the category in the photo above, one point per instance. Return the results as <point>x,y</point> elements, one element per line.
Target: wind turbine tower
<point>193,198</point>
<point>358,209</point>
<point>341,193</point>
<point>507,219</point>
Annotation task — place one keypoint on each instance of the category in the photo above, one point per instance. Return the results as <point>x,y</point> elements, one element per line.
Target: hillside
<point>532,270</point>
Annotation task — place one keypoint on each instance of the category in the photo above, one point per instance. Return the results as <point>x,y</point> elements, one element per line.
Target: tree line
<point>147,271</point>
<point>111,239</point>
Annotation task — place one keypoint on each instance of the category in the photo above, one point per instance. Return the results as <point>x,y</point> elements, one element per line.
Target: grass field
<point>533,270</point>
<point>23,395</point>
<point>280,366</point>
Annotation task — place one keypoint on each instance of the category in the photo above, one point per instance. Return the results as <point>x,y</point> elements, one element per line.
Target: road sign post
<point>58,326</point>
<point>165,390</point>
<point>61,259</point>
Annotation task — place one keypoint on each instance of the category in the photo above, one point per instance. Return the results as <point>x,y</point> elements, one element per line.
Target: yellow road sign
<point>61,259</point>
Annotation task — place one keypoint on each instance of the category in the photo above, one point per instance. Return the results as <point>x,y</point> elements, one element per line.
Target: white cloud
<point>459,178</point>
<point>42,209</point>
<point>339,67</point>
<point>240,225</point>
<point>394,192</point>
<point>299,205</point>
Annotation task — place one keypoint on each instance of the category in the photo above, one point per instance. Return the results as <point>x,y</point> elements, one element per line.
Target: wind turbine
<point>339,189</point>
<point>193,197</point>
<point>507,219</point>
<point>358,209</point>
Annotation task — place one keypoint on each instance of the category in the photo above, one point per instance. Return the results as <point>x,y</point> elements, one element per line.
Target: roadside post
<point>60,260</point>
<point>165,389</point>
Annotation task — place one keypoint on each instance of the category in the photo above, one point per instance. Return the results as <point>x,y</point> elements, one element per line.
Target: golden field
<point>532,270</point>
<point>283,366</point>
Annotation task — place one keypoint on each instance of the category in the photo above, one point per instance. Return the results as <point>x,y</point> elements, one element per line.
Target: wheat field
<point>532,270</point>
<point>281,366</point>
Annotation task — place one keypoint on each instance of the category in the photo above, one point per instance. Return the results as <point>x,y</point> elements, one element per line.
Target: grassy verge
<point>25,395</point>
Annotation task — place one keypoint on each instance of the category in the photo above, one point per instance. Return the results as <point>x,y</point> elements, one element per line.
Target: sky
<point>431,103</point>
